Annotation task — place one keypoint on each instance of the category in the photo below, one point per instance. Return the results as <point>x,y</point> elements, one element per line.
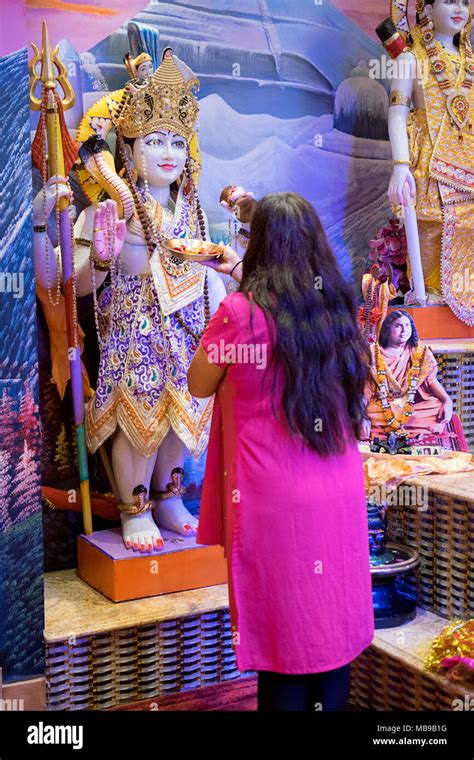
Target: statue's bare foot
<point>140,532</point>
<point>173,515</point>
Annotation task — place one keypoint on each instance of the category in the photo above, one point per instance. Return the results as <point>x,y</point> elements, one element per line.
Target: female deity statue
<point>404,395</point>
<point>152,313</point>
<point>433,145</point>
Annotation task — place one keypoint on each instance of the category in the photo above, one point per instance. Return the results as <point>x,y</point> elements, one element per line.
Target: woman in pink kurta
<point>292,520</point>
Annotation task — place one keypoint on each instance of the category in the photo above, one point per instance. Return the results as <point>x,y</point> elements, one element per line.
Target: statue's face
<point>449,16</point>
<point>163,159</point>
<point>145,70</point>
<point>400,331</point>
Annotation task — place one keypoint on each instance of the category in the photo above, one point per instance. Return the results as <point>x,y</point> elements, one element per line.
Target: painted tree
<point>5,487</point>
<point>63,455</point>
<point>28,419</point>
<point>10,436</point>
<point>27,484</point>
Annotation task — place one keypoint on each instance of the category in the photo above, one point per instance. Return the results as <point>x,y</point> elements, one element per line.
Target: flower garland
<point>370,313</point>
<point>411,386</point>
<point>457,93</point>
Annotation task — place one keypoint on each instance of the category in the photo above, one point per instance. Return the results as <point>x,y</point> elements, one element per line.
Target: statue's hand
<point>47,198</point>
<point>402,190</point>
<point>109,231</point>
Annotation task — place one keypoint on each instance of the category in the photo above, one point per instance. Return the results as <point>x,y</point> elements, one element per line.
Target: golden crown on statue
<point>165,101</point>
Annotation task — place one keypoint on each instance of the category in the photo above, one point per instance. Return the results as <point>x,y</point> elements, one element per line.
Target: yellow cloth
<point>392,470</point>
<point>429,211</point>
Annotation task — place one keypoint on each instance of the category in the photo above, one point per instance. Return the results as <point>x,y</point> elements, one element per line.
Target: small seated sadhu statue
<point>403,393</point>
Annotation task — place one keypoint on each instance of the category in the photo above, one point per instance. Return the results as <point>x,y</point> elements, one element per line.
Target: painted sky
<point>12,32</point>
<point>84,23</point>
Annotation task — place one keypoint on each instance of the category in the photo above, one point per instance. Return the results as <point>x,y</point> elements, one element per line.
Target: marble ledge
<point>73,608</point>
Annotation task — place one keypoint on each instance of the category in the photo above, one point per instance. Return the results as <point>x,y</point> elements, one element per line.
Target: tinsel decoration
<point>453,651</point>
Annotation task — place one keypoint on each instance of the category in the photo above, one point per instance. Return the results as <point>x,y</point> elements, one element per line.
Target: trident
<point>46,67</point>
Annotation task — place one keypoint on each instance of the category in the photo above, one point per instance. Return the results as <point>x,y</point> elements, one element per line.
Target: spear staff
<point>53,137</point>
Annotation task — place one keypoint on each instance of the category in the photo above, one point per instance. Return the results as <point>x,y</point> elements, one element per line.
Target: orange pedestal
<point>437,322</point>
<point>121,575</point>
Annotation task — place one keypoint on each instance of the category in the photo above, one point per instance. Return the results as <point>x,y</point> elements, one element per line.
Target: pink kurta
<point>294,525</point>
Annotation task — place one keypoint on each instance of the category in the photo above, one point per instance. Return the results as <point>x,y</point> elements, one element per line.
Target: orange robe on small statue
<point>426,406</point>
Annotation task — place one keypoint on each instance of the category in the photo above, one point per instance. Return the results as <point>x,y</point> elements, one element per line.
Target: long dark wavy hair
<point>314,321</point>
<point>384,336</point>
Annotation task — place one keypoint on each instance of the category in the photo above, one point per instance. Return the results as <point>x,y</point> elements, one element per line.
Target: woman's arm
<point>203,376</point>
<point>217,290</point>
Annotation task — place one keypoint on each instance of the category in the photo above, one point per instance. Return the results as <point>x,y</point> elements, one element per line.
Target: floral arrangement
<point>390,252</point>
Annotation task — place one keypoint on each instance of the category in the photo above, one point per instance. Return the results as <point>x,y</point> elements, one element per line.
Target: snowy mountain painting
<point>286,104</point>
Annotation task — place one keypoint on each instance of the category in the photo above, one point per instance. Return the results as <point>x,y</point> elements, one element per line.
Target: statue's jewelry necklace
<point>164,221</point>
<point>458,97</point>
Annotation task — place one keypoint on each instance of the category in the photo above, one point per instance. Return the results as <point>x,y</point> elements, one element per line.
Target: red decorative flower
<point>375,315</point>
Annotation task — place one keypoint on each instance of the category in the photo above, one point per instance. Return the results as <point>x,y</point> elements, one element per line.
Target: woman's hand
<point>446,412</point>
<point>109,232</point>
<point>226,263</point>
<point>47,197</point>
<point>402,190</point>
